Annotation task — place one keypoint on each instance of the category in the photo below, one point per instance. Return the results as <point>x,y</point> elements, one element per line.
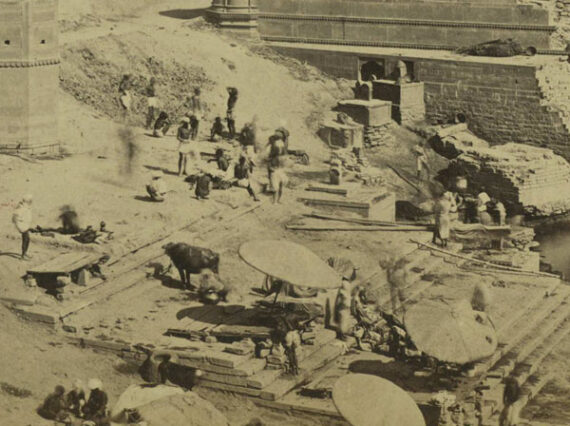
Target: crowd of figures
<point>202,178</point>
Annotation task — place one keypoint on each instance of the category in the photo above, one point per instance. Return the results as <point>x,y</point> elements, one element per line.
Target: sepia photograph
<point>285,212</point>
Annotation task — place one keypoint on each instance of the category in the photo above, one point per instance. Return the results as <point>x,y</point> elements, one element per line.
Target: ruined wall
<point>560,12</point>
<point>502,102</point>
<point>415,24</point>
<point>29,59</point>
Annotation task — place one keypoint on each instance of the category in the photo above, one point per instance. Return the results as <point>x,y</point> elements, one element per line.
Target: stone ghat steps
<point>513,332</point>
<point>530,389</point>
<point>524,359</point>
<point>527,372</point>
<point>273,384</point>
<point>414,278</point>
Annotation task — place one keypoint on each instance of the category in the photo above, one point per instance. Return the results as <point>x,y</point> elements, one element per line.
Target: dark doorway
<point>371,68</point>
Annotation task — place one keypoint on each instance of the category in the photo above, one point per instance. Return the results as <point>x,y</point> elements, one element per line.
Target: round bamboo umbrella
<point>167,406</point>
<point>366,400</point>
<point>451,332</point>
<point>290,262</point>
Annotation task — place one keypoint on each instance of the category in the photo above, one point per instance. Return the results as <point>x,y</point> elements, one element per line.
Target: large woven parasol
<point>366,400</point>
<point>167,406</point>
<point>451,332</point>
<point>289,262</point>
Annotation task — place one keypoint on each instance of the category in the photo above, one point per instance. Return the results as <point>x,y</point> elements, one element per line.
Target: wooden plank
<point>357,228</point>
<point>363,221</point>
<point>66,263</point>
<point>334,203</point>
<point>339,191</point>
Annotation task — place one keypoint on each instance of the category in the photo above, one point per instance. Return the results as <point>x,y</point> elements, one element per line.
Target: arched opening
<point>371,68</point>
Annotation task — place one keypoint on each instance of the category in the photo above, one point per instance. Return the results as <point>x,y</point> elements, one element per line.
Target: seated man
<point>95,409</point>
<point>203,184</point>
<point>156,189</point>
<point>217,129</point>
<point>161,125</point>
<point>241,174</point>
<point>54,406</point>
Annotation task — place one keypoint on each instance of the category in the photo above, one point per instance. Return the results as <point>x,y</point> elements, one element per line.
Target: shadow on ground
<point>183,13</point>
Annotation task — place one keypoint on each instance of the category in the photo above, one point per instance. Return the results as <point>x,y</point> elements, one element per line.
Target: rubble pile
<point>378,135</point>
<point>358,167</point>
<point>531,179</point>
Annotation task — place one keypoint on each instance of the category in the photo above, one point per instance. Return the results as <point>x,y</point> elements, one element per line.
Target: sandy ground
<point>100,41</point>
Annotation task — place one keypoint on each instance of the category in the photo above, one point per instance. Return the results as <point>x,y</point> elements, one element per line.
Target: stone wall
<point>503,102</point>
<point>419,24</point>
<point>29,58</point>
<point>560,12</point>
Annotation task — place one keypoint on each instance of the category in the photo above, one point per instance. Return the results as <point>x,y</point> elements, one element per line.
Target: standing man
<point>342,312</point>
<point>22,219</point>
<point>230,116</point>
<point>441,212</point>
<point>184,147</point>
<point>241,174</point>
<point>277,176</point>
<point>421,160</point>
<point>152,102</point>
<point>482,214</point>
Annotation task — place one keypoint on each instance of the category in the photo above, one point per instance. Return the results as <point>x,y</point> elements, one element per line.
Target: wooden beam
<point>363,221</point>
<point>484,262</point>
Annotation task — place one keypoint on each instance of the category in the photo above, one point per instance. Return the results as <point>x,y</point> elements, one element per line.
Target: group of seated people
<point>77,406</point>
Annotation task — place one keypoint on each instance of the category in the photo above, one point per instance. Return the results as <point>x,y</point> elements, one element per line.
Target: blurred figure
<point>156,189</point>
<point>22,219</point>
<point>510,414</point>
<point>69,220</point>
<point>127,137</point>
<point>421,161</point>
<point>152,102</point>
<point>125,92</point>
<point>196,105</point>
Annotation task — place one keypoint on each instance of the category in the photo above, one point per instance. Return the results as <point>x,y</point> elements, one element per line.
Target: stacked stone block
<point>375,115</point>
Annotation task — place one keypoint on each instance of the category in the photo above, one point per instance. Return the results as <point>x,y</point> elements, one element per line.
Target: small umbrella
<point>366,400</point>
<point>289,262</point>
<point>451,332</point>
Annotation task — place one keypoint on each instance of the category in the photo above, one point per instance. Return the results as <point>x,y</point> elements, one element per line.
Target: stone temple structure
<point>29,79</point>
<point>514,99</point>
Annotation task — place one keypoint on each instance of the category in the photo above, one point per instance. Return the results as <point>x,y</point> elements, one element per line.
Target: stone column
<point>29,76</point>
<point>237,14</point>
